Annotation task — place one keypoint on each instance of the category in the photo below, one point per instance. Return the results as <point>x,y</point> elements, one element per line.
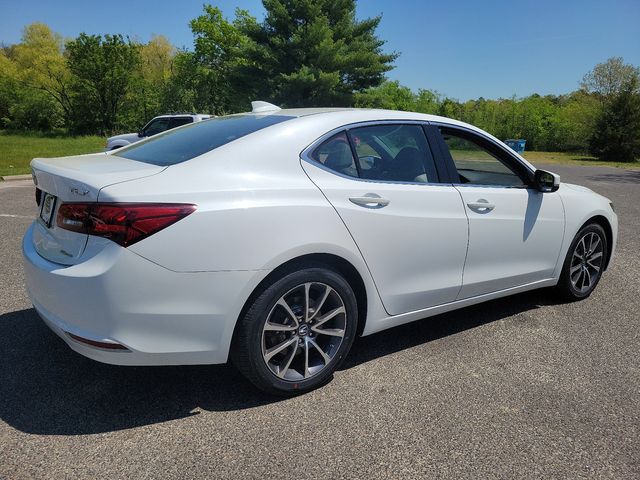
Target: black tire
<point>566,288</point>
<point>247,348</point>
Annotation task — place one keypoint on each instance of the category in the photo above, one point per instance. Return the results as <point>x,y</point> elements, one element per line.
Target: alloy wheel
<point>586,262</point>
<point>303,331</point>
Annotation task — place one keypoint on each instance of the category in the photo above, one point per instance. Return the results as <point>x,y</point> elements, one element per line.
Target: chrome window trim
<point>305,155</point>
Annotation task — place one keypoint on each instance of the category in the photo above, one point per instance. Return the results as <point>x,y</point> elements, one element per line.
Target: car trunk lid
<point>75,179</point>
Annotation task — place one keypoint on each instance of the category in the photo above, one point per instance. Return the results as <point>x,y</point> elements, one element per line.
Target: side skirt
<point>378,325</point>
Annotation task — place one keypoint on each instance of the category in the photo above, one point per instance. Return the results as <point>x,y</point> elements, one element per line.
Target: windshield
<point>176,146</point>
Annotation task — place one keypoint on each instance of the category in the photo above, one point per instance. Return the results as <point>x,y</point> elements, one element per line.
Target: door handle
<point>481,206</point>
<point>370,200</point>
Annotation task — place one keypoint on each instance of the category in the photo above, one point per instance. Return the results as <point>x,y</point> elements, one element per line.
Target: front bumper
<point>162,317</point>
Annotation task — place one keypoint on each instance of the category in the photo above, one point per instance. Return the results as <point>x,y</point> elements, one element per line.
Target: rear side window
<point>176,146</point>
<point>335,154</point>
<point>394,153</point>
<point>387,153</point>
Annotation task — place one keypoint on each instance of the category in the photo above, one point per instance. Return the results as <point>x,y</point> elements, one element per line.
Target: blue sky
<point>464,49</point>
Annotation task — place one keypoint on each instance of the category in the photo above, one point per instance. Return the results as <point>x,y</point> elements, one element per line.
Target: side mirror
<point>140,134</point>
<point>546,181</point>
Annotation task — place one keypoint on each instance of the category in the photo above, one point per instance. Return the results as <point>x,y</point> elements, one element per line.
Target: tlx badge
<point>78,191</point>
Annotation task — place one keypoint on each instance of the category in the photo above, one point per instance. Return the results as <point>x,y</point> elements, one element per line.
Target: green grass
<point>17,150</point>
<point>564,158</point>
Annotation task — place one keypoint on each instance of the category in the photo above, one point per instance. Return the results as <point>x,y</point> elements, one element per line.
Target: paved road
<point>523,387</point>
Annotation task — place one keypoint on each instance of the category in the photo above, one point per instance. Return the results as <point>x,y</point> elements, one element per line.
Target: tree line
<point>302,54</point>
<point>602,117</point>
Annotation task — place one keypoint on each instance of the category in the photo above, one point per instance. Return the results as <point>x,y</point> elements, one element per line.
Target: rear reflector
<point>123,223</point>
<point>93,343</point>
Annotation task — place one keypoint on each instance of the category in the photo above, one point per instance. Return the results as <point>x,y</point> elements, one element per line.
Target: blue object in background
<point>517,145</point>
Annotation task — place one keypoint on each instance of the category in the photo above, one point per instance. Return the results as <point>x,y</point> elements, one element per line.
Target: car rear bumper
<point>161,317</point>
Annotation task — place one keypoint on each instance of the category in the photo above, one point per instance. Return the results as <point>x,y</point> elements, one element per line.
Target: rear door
<point>515,231</point>
<point>411,229</point>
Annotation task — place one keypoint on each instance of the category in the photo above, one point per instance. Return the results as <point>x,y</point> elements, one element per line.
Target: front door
<point>515,231</point>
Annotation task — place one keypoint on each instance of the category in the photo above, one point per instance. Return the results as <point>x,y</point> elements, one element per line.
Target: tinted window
<point>175,146</point>
<point>179,121</point>
<point>335,153</point>
<point>475,164</point>
<point>156,126</point>
<point>396,153</point>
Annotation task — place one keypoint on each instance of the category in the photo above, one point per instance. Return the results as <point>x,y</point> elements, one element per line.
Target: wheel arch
<point>326,260</point>
<point>608,231</point>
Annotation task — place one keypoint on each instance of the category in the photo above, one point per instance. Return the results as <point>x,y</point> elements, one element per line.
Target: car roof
<point>373,113</point>
<point>366,114</point>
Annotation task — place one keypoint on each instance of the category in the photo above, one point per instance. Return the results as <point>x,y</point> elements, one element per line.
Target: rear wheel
<point>297,332</point>
<point>584,263</point>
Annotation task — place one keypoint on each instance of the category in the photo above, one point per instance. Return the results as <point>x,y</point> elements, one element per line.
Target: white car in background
<point>157,125</point>
<point>275,237</point>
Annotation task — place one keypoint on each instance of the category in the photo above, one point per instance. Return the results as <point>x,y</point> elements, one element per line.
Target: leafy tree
<point>427,101</point>
<point>183,90</point>
<point>207,79</point>
<point>609,78</point>
<point>41,67</point>
<point>617,133</point>
<point>156,67</point>
<point>312,53</point>
<point>393,96</point>
<point>389,95</point>
<point>575,122</point>
<point>103,69</point>
<point>451,108</point>
<point>8,87</point>
<point>156,60</point>
<point>149,84</point>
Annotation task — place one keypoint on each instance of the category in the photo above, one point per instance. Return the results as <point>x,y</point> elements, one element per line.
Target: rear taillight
<point>123,223</point>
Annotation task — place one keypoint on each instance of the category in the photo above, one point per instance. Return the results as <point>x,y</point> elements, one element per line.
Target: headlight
<point>611,205</point>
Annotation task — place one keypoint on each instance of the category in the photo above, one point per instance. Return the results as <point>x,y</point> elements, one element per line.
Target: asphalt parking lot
<point>523,387</point>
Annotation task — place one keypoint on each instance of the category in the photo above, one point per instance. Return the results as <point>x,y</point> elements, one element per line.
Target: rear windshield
<point>175,146</point>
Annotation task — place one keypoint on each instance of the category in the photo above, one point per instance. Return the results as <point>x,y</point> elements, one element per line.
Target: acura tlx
<point>273,238</point>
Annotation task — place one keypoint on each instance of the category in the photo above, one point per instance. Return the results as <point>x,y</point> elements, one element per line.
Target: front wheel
<point>584,263</point>
<point>297,332</point>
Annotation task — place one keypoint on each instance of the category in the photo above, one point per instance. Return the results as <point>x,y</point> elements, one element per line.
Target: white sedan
<point>273,238</point>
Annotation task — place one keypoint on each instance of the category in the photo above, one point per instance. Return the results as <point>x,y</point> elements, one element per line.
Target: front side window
<point>175,146</point>
<point>475,164</point>
<point>394,153</point>
<point>156,126</point>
